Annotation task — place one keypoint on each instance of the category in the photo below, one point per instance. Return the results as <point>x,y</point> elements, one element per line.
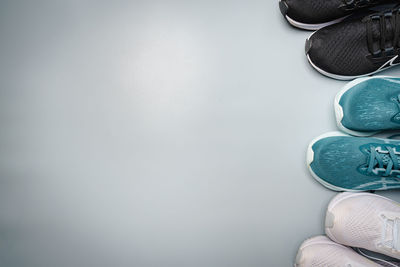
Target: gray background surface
<point>157,133</point>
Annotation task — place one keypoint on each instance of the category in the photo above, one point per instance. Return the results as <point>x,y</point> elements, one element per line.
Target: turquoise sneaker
<point>345,163</point>
<point>369,105</point>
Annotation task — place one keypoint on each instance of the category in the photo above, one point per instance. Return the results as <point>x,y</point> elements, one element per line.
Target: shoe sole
<point>340,77</point>
<point>310,159</point>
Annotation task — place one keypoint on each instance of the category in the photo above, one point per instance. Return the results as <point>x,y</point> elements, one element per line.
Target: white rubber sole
<point>342,77</point>
<point>339,109</point>
<point>310,159</point>
<point>312,27</point>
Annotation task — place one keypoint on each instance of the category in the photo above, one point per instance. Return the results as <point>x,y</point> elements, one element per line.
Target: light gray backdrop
<point>157,133</point>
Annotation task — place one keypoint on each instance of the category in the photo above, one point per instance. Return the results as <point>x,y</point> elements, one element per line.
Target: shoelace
<point>353,4</point>
<point>376,160</point>
<point>393,242</point>
<point>387,47</point>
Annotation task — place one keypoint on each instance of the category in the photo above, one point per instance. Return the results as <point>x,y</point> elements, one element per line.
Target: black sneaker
<point>359,46</point>
<point>315,14</point>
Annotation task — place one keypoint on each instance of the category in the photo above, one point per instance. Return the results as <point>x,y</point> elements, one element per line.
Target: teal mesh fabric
<point>373,105</point>
<point>344,161</point>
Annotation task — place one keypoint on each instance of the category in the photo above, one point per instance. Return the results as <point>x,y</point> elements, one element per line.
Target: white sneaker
<point>364,220</point>
<point>320,251</point>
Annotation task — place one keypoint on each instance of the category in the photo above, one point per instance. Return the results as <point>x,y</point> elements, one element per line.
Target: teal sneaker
<point>369,105</point>
<point>345,163</point>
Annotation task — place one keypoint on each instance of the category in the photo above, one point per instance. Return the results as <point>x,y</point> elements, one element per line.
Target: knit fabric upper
<point>315,11</point>
<point>342,49</point>
<point>321,11</point>
<point>321,251</point>
<point>348,48</point>
<point>365,221</point>
<point>344,161</point>
<point>372,105</point>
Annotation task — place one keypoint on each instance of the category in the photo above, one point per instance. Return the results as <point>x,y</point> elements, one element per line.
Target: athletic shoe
<point>361,45</point>
<point>364,220</point>
<point>315,14</point>
<point>369,105</point>
<point>320,251</point>
<point>345,163</point>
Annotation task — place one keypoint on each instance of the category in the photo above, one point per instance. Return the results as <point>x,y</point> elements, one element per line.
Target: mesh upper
<point>358,221</point>
<point>315,11</point>
<point>368,106</point>
<point>324,252</point>
<point>319,11</point>
<point>342,49</point>
<point>337,158</point>
<point>341,161</point>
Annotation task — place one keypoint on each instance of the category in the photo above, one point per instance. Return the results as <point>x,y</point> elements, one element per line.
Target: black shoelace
<point>388,43</point>
<point>356,4</point>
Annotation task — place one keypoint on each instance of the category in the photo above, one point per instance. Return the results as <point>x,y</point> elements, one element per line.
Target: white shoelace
<point>395,224</point>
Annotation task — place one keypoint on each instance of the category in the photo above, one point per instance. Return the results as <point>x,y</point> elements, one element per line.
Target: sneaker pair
<point>366,41</point>
<point>362,221</point>
<point>345,163</point>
